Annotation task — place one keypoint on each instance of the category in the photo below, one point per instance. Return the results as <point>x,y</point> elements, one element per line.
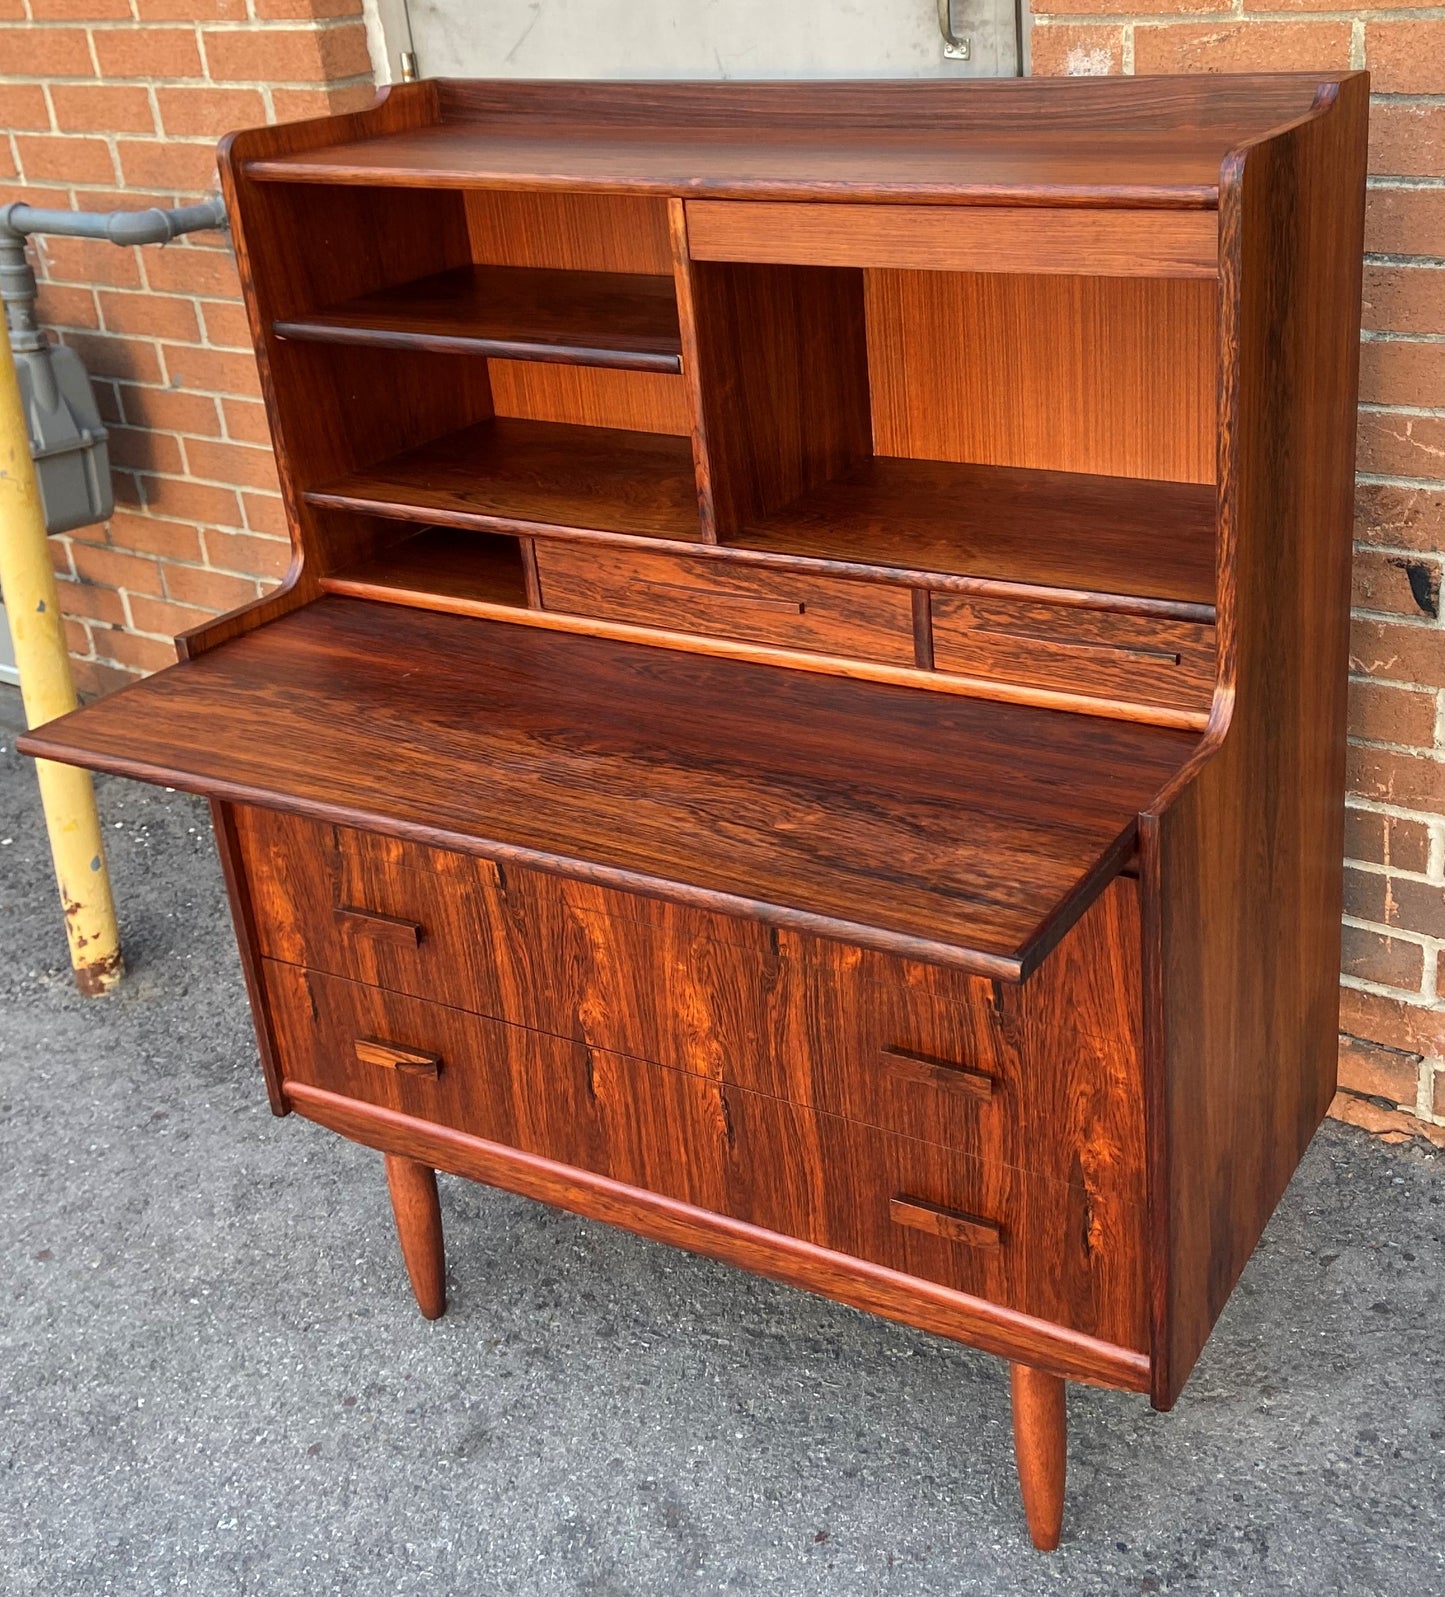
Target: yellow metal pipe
<point>32,605</point>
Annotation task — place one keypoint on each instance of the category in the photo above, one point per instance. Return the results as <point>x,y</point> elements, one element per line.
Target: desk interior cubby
<point>516,380</point>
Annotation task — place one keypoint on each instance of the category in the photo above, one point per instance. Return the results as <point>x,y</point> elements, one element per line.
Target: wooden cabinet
<point>807,717</point>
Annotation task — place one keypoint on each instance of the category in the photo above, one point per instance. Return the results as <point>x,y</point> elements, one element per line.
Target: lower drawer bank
<point>1046,1078</point>
<point>1046,1248</point>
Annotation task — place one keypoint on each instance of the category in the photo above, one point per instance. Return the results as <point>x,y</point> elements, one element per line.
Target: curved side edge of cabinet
<point>862,1285</point>
<point>1241,857</point>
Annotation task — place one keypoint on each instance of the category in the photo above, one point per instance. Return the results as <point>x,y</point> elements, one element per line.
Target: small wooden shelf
<point>447,562</point>
<point>1056,529</point>
<point>612,319</point>
<point>526,476</point>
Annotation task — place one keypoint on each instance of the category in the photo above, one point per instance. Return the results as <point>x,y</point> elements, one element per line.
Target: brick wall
<point>107,104</point>
<point>1393,1011</point>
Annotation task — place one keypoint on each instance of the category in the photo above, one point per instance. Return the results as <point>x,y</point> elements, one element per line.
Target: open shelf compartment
<point>615,319</point>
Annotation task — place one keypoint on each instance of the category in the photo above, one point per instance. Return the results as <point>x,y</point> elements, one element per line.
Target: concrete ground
<point>213,1380</point>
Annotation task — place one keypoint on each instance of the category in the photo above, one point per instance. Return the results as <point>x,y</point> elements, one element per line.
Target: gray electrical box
<point>67,440</point>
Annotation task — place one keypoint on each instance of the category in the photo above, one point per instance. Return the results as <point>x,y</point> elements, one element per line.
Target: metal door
<point>698,38</point>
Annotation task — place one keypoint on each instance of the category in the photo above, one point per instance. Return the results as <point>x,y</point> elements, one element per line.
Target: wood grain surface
<point>822,615</point>
<point>874,813</point>
<point>514,312</point>
<point>1116,377</point>
<point>935,238</point>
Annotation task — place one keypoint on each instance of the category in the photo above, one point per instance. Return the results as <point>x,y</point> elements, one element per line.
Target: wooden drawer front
<point>1044,1247</point>
<point>1022,1077</point>
<point>1139,659</point>
<point>637,1122</point>
<point>724,599</point>
<point>632,975</point>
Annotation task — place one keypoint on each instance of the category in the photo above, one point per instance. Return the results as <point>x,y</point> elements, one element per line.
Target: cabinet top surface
<point>1122,141</point>
<point>960,830</point>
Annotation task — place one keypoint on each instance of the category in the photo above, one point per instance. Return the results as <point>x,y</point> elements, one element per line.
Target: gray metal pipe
<point>118,227</point>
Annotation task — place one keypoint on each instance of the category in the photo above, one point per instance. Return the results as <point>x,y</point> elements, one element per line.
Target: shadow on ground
<point>212,1378</point>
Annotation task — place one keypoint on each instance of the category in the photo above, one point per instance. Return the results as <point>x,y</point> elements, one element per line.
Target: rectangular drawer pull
<point>951,1224</point>
<point>384,928</point>
<point>409,1061</point>
<point>907,1066</point>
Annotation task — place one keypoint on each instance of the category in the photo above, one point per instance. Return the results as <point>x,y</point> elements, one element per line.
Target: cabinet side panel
<point>1244,873</point>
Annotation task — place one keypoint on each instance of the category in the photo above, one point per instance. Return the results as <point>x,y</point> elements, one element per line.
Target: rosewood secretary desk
<point>806,718</point>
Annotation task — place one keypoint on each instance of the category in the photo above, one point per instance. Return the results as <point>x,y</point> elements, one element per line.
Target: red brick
<point>94,679</point>
<point>149,315</point>
<point>1388,961</point>
<point>1399,902</point>
<point>145,52</point>
<point>140,654</point>
<point>60,551</point>
<point>171,410</point>
<point>265,513</point>
<point>34,194</point>
<point>1405,222</point>
<point>215,371</point>
<point>1400,518</point>
<point>77,638</point>
<point>92,603</point>
<point>184,269</point>
<point>241,464</point>
<point>263,558</point>
<point>89,262</point>
<point>129,359</point>
<point>57,159</point>
<point>226,324</point>
<point>211,590</point>
<point>23,106</point>
<point>1387,840</point>
<point>1412,1028</point>
<point>293,105</point>
<point>1405,585</point>
<point>1406,140</point>
<point>1231,46</point>
<point>101,108</point>
<point>1389,1125</point>
<point>66,50</point>
<point>191,10</point>
<point>1380,714</point>
<point>1404,57</point>
<point>208,113</point>
<point>288,55</point>
<point>80,10</point>
<point>115,569</point>
<point>1402,371</point>
<point>171,540</point>
<point>59,306</point>
<point>190,501</point>
<point>1070,50</point>
<point>246,421</point>
<point>168,164</point>
<point>1396,444</point>
<point>1386,776</point>
<point>1405,299</point>
<point>1396,651</point>
<point>304,10</point>
<point>139,449</point>
<point>164,619</point>
<point>1378,1072</point>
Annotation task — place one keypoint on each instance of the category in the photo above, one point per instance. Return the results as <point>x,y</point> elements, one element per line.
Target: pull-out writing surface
<point>971,832</point>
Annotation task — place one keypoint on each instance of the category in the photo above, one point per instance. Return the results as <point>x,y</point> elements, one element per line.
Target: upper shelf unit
<point>615,319</point>
<point>1045,143</point>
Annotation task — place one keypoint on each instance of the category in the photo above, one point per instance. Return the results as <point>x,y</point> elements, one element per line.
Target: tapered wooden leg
<point>419,1228</point>
<point>1040,1434</point>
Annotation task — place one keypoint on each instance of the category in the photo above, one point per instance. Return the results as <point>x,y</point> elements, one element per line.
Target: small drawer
<point>651,1127</point>
<point>1044,1247</point>
<point>725,599</point>
<point>1136,659</point>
